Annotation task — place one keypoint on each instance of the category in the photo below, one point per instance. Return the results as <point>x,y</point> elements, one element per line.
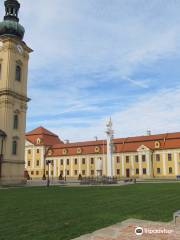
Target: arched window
<point>16,121</point>
<point>18,73</point>
<point>14,147</point>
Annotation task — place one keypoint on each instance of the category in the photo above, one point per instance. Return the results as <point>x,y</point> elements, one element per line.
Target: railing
<point>98,180</point>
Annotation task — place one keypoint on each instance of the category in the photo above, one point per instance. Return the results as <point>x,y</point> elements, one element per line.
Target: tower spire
<point>10,26</point>
<point>11,10</point>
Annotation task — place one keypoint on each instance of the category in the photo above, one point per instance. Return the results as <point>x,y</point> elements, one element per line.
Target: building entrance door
<point>127,173</point>
<point>99,173</point>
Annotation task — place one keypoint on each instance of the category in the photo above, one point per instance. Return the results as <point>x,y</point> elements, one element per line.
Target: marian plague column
<point>14,55</point>
<point>109,132</point>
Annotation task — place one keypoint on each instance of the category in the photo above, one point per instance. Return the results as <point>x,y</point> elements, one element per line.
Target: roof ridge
<point>41,131</point>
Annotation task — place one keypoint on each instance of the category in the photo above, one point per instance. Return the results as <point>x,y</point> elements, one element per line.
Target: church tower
<point>14,55</point>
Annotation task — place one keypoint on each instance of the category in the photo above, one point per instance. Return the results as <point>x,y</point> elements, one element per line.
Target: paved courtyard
<point>126,231</point>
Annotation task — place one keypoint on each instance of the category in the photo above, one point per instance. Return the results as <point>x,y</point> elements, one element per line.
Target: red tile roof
<point>130,144</point>
<point>47,138</point>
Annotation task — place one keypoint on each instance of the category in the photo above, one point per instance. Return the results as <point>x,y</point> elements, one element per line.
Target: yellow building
<point>14,56</point>
<point>151,156</point>
<point>38,142</point>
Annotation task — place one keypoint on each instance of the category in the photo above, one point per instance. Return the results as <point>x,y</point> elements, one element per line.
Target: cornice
<point>15,40</point>
<point>14,94</point>
<point>14,162</point>
<point>13,49</point>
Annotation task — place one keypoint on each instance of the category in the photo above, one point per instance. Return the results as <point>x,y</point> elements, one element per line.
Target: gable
<point>28,144</point>
<point>143,148</point>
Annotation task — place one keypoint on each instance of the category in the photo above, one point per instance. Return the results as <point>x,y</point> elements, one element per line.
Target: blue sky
<point>99,58</point>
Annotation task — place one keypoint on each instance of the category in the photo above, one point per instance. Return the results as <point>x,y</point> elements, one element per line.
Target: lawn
<point>62,213</point>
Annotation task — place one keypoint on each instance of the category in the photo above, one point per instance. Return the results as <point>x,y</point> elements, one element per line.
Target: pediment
<point>28,144</point>
<point>143,148</point>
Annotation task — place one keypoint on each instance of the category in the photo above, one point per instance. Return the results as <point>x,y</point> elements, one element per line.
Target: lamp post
<point>48,180</point>
<point>65,175</point>
<point>44,170</point>
<point>2,138</point>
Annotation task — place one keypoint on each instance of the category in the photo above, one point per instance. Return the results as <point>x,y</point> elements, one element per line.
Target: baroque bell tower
<point>14,56</point>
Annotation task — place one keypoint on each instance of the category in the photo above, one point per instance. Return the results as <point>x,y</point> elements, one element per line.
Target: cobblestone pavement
<point>126,231</point>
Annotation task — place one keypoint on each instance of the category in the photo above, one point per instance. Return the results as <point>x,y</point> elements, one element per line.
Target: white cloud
<point>90,35</point>
<point>158,112</point>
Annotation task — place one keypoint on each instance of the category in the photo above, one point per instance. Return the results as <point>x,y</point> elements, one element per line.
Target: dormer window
<point>38,141</point>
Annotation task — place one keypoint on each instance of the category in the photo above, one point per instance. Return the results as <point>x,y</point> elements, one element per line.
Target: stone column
<point>33,157</point>
<point>55,174</point>
<point>104,165</point>
<point>64,170</point>
<point>58,167</point>
<point>148,159</point>
<point>113,165</point>
<point>42,158</point>
<point>95,166</point>
<point>109,133</point>
<point>164,164</point>
<point>123,168</point>
<point>88,166</point>
<point>140,165</point>
<point>175,163</point>
<point>132,165</point>
<point>79,166</point>
<point>71,167</point>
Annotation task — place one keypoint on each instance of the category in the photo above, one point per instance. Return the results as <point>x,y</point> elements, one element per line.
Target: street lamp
<point>44,170</point>
<point>2,138</point>
<point>65,175</point>
<point>48,180</point>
